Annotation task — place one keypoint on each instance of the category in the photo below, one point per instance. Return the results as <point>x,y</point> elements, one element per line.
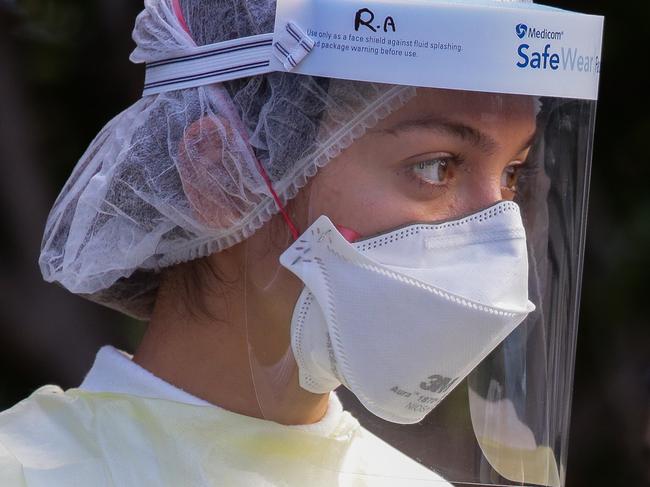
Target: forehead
<point>492,111</point>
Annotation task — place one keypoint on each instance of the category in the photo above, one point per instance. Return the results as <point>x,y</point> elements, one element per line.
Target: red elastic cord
<point>292,228</point>
<point>179,15</point>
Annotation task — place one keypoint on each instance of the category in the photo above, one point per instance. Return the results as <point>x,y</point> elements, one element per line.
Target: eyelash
<point>451,162</point>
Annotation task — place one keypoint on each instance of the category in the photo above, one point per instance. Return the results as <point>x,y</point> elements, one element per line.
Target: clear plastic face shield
<point>438,284</point>
<point>430,271</point>
<point>435,282</point>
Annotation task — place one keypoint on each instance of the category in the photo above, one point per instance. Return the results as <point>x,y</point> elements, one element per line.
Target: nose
<point>481,194</point>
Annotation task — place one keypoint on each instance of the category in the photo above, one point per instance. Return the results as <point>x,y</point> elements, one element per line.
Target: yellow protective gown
<point>85,438</point>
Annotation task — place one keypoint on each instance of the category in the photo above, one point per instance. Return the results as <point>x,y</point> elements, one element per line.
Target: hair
<point>190,280</point>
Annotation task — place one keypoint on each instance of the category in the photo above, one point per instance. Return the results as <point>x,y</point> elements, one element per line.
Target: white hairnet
<point>177,175</point>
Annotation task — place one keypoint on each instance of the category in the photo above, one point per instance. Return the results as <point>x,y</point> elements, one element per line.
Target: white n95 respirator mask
<point>401,318</point>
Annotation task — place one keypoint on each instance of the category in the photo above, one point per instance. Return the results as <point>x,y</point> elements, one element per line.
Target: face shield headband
<point>520,48</point>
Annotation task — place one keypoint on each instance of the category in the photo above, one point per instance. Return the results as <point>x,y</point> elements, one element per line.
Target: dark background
<point>64,73</point>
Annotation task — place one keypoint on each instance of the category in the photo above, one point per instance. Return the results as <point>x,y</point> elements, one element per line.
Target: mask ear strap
<point>285,214</point>
<point>226,104</point>
<point>178,11</point>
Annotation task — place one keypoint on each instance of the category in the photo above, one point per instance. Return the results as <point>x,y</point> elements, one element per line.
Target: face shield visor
<point>452,338</point>
<point>431,271</point>
<point>445,312</point>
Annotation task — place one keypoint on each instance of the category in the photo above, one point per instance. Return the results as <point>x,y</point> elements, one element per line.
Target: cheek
<point>340,192</point>
<point>360,196</point>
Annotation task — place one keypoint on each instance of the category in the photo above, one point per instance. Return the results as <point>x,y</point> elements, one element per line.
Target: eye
<point>434,171</point>
<point>510,176</point>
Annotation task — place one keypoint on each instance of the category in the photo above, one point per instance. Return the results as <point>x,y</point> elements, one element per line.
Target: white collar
<point>114,371</point>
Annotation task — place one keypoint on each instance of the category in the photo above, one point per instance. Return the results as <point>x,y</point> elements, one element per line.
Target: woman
<point>277,231</point>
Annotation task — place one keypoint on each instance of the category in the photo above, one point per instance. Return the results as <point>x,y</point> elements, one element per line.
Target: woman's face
<point>444,154</point>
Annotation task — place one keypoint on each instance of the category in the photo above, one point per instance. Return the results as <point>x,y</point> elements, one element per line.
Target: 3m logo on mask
<point>438,384</point>
<point>548,57</point>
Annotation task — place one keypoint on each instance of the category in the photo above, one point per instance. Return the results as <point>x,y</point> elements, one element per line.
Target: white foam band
<point>519,48</point>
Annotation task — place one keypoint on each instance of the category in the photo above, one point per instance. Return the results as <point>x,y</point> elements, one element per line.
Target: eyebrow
<point>450,127</point>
